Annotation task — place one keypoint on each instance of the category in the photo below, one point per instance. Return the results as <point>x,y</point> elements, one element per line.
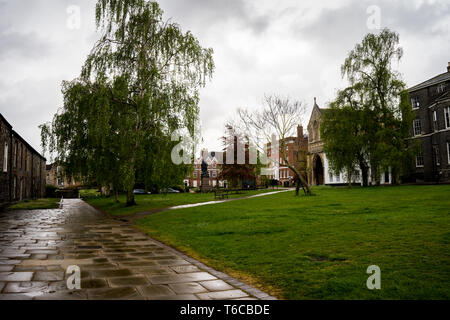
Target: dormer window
<point>415,103</point>
<point>441,88</point>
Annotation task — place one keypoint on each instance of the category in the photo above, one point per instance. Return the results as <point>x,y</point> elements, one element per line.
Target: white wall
<point>343,176</point>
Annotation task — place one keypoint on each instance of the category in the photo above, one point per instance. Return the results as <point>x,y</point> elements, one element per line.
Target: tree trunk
<point>349,178</point>
<point>374,174</point>
<point>297,187</point>
<point>116,194</point>
<point>130,198</point>
<point>364,173</point>
<point>298,175</point>
<point>395,176</point>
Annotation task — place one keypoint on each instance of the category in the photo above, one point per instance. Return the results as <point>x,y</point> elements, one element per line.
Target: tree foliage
<point>236,168</point>
<point>369,121</point>
<point>139,84</point>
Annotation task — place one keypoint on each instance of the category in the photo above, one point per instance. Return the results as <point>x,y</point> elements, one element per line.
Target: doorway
<point>318,171</point>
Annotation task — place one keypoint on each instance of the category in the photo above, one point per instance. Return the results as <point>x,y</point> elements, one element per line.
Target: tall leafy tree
<point>139,83</point>
<point>370,67</point>
<point>369,121</point>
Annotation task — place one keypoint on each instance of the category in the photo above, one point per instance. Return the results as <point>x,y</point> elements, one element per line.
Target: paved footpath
<point>116,261</point>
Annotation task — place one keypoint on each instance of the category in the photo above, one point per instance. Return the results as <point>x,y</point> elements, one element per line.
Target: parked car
<point>140,191</point>
<point>169,190</point>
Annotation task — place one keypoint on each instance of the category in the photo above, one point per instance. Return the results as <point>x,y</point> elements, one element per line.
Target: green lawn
<point>319,247</point>
<point>45,203</point>
<point>157,201</point>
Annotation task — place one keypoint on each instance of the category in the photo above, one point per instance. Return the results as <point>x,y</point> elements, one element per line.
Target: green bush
<point>50,191</point>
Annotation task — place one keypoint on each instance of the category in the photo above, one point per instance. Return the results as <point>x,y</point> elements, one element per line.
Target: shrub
<point>50,191</point>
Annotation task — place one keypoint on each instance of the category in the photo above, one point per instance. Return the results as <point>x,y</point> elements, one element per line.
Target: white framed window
<point>447,117</point>
<point>437,156</point>
<point>331,177</point>
<point>417,127</point>
<point>195,183</point>
<point>195,174</point>
<point>448,152</point>
<point>338,178</point>
<point>5,158</point>
<point>213,174</point>
<point>435,122</point>
<point>419,159</point>
<point>415,103</point>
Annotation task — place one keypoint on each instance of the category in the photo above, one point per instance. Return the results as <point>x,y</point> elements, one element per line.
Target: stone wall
<point>23,174</point>
<point>5,167</point>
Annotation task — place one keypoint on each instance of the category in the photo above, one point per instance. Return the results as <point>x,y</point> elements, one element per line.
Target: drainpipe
<point>32,176</point>
<point>10,164</point>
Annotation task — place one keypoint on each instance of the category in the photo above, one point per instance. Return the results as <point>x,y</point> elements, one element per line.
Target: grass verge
<point>320,247</point>
<point>44,203</point>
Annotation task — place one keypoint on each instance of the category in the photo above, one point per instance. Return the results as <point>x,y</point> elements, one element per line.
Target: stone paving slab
<point>116,261</point>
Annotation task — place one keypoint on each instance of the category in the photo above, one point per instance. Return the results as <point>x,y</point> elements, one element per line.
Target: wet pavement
<point>116,261</point>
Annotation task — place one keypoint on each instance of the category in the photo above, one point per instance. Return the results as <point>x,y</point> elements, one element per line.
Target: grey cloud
<point>22,45</point>
<point>28,103</point>
<point>206,13</point>
<point>336,29</point>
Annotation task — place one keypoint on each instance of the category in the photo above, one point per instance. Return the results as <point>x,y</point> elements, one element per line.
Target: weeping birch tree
<point>139,84</point>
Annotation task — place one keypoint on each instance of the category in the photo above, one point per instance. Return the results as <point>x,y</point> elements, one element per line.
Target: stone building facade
<point>431,102</point>
<point>22,167</point>
<point>55,177</point>
<point>319,172</point>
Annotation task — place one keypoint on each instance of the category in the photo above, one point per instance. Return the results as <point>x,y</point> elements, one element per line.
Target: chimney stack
<point>448,67</point>
<point>299,131</point>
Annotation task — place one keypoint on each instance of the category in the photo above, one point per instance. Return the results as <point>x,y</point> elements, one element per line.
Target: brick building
<point>213,160</point>
<point>431,101</point>
<point>22,168</point>
<point>296,150</point>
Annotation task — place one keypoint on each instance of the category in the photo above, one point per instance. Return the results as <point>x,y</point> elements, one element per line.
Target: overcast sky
<point>288,47</point>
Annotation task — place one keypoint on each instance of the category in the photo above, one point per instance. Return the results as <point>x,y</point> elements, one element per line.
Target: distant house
<point>296,150</point>
<point>22,168</point>
<point>214,161</point>
<point>55,177</point>
<point>431,101</point>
